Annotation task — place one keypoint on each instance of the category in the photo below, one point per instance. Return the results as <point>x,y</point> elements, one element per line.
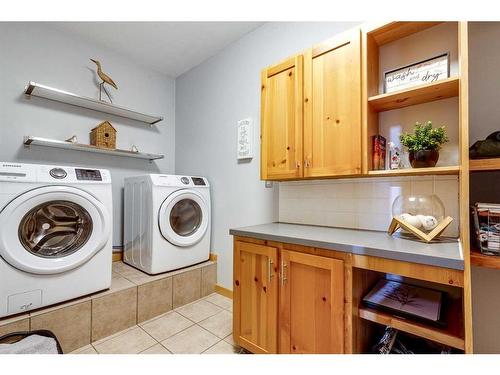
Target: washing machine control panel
<point>88,174</point>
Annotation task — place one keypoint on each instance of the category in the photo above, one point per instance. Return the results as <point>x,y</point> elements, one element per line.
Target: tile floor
<point>203,326</point>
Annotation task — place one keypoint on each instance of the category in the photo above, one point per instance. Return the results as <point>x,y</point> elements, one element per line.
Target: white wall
<point>36,51</point>
<point>484,100</point>
<point>211,98</point>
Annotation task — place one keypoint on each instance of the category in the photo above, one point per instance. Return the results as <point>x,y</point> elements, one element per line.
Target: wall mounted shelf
<point>477,165</point>
<point>447,88</point>
<point>42,91</point>
<point>482,260</point>
<point>451,170</point>
<point>37,141</point>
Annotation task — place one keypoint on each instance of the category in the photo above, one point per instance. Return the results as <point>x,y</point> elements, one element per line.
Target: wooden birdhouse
<point>103,135</point>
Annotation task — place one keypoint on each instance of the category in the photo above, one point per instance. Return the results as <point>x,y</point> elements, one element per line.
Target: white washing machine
<point>166,222</point>
<point>55,234</point>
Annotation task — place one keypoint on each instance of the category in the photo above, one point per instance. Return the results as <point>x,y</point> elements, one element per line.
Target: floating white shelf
<point>42,91</point>
<point>28,141</point>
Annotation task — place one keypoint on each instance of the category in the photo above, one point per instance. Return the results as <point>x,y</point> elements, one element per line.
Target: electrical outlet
<point>269,184</point>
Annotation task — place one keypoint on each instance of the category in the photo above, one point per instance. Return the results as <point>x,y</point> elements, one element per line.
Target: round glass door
<point>55,229</point>
<point>183,217</point>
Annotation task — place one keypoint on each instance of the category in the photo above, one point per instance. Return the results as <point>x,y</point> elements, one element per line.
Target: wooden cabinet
<point>296,309</point>
<point>332,108</point>
<point>281,120</point>
<point>311,112</point>
<point>311,310</point>
<point>255,296</point>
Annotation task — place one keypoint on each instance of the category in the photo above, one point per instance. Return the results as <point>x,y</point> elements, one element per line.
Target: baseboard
<point>213,257</point>
<point>117,257</point>
<point>223,291</point>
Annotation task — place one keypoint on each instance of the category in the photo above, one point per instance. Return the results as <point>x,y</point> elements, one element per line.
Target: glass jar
<point>424,212</point>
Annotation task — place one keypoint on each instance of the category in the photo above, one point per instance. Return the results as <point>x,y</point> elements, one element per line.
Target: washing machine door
<point>183,218</point>
<point>52,229</point>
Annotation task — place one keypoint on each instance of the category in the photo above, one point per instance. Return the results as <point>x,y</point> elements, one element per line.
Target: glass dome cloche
<point>424,212</point>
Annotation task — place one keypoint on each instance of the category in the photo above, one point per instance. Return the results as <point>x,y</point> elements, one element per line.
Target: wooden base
<point>223,291</point>
<point>397,223</point>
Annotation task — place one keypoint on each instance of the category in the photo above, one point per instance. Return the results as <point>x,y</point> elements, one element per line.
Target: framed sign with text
<point>427,71</point>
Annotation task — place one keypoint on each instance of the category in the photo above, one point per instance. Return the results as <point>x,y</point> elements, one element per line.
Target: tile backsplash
<point>363,203</point>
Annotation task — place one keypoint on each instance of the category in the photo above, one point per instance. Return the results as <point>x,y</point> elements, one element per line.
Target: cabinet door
<point>332,107</point>
<point>311,304</point>
<point>255,297</point>
<point>281,120</point>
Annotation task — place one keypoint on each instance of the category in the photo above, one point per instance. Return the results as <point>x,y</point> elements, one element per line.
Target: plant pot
<point>424,158</point>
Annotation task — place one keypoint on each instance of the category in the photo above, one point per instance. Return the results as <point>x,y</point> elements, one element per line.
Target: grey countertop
<point>362,242</point>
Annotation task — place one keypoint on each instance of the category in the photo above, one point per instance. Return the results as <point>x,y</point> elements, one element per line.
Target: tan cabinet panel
<point>332,107</point>
<point>255,297</point>
<point>281,120</point>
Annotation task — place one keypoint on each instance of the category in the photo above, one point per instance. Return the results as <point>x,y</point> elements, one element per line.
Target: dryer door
<point>183,218</point>
<point>52,229</point>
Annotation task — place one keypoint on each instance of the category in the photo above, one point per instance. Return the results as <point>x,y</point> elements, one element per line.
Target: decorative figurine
<point>72,139</point>
<point>105,79</point>
<point>394,156</point>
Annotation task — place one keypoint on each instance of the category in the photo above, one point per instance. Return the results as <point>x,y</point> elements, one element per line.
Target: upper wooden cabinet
<point>255,296</point>
<point>311,112</point>
<point>332,107</point>
<point>281,120</point>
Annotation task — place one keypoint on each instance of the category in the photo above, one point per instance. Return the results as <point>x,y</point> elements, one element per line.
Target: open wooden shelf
<point>392,31</point>
<point>447,88</point>
<point>481,260</point>
<point>476,165</point>
<point>42,91</point>
<point>451,335</point>
<point>451,170</point>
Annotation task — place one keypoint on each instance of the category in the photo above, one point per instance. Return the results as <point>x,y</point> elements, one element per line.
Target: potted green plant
<point>424,144</point>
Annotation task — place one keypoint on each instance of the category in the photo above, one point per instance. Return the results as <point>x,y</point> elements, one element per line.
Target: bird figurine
<point>105,79</point>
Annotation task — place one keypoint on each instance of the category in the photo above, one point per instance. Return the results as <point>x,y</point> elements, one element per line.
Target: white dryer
<point>166,222</point>
<point>55,234</point>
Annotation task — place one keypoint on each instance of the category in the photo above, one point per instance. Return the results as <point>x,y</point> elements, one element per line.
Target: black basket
<point>12,338</point>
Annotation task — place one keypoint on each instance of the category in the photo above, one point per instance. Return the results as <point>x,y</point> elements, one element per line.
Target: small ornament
<point>103,136</point>
<point>394,156</point>
<point>428,222</point>
<point>134,149</point>
<point>412,220</point>
<point>73,139</point>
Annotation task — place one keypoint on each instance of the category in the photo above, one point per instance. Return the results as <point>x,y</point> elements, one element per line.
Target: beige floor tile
<point>113,335</point>
<point>193,340</point>
<point>221,347</point>
<point>114,313</point>
<point>221,301</point>
<point>70,324</point>
<point>134,275</point>
<point>199,310</point>
<point>230,340</point>
<point>153,299</point>
<point>165,326</point>
<point>87,349</point>
<point>187,287</point>
<point>157,349</point>
<point>131,342</point>
<point>208,279</point>
<point>220,324</point>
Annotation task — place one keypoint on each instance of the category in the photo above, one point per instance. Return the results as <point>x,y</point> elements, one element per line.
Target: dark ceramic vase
<point>424,158</point>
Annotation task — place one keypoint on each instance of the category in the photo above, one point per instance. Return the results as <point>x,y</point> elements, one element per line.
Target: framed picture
<point>427,71</point>
<point>245,139</point>
<point>407,301</point>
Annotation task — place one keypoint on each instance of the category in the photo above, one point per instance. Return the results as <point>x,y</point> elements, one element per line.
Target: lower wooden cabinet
<point>287,301</point>
<point>255,296</point>
<point>311,309</point>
